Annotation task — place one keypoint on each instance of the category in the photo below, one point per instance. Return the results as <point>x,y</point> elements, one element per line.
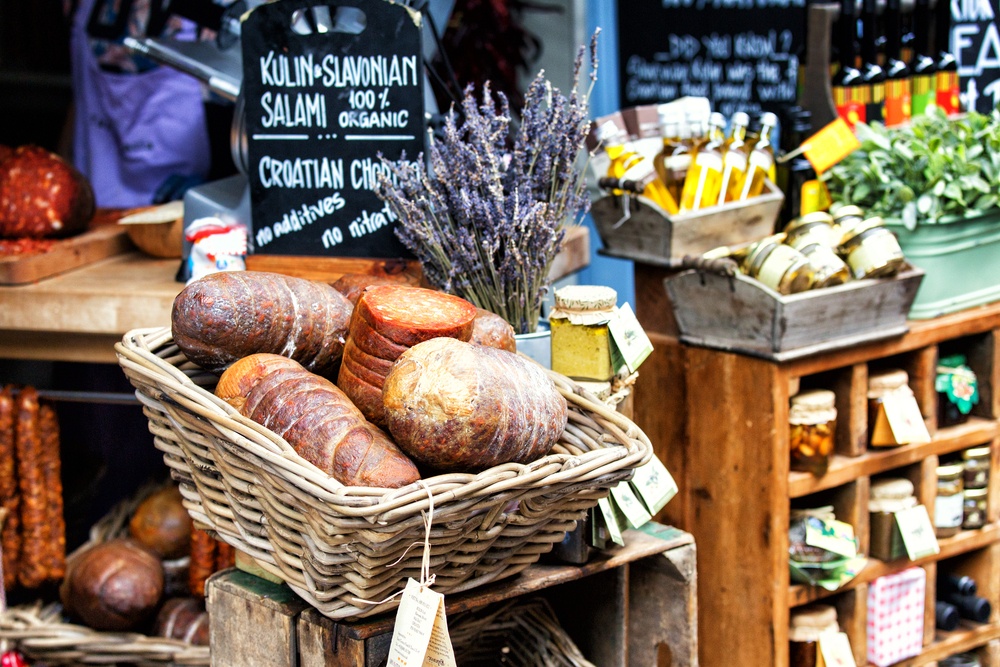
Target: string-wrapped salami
<point>10,535</point>
<point>203,553</point>
<point>31,568</point>
<point>50,462</point>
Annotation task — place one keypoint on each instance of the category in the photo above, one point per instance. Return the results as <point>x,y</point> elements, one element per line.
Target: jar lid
<point>862,227</point>
<point>891,488</point>
<point>808,219</point>
<point>586,297</point>
<point>976,493</point>
<point>976,453</point>
<point>878,505</point>
<point>847,211</point>
<point>813,616</point>
<point>813,407</point>
<point>890,379</point>
<point>950,469</point>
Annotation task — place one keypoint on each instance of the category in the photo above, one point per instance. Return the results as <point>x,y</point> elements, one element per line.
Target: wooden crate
<point>739,314</point>
<point>635,605</point>
<point>643,231</point>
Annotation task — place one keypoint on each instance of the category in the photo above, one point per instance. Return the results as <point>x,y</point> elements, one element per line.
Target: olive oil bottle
<point>849,91</point>
<point>872,73</point>
<point>704,177</point>
<point>672,162</point>
<point>760,164</point>
<point>946,80</point>
<point>923,69</point>
<point>627,164</point>
<point>734,159</point>
<point>897,73</point>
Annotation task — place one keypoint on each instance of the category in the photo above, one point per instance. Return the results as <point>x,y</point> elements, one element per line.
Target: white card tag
<point>904,419</point>
<point>611,521</point>
<point>654,484</point>
<point>629,337</point>
<point>917,532</point>
<point>420,635</point>
<point>630,505</point>
<point>835,647</point>
<point>833,535</point>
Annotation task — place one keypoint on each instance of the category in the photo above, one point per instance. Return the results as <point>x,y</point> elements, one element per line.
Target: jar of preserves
<point>812,418</point>
<point>805,625</point>
<point>781,267</point>
<point>813,235</point>
<point>871,250</point>
<point>887,496</point>
<point>846,216</point>
<point>949,506</point>
<point>974,512</point>
<point>957,390</point>
<point>798,520</point>
<point>581,339</point>
<point>977,467</point>
<point>880,385</point>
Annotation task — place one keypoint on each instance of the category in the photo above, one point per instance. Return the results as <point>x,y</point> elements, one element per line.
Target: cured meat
<point>410,315</point>
<point>373,343</point>
<point>50,462</point>
<point>231,314</point>
<point>491,330</point>
<point>351,285</point>
<point>365,392</point>
<point>10,535</point>
<point>42,195</point>
<point>460,407</point>
<point>31,568</point>
<point>202,564</point>
<point>322,424</point>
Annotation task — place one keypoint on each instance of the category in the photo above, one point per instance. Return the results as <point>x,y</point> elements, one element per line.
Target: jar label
<point>869,256</point>
<point>776,265</point>
<point>949,511</point>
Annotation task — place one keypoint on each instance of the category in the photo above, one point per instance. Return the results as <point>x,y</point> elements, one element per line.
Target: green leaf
<point>985,203</point>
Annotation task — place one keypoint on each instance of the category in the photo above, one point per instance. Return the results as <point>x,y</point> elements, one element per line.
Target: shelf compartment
<point>971,636</point>
<point>965,542</point>
<point>844,469</point>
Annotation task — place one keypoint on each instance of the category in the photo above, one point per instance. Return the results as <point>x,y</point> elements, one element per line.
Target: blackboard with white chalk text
<point>327,88</point>
<point>743,55</point>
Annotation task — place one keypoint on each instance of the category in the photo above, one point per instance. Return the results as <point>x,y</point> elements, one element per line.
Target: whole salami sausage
<point>42,195</point>
<point>31,568</point>
<point>10,535</point>
<point>202,564</point>
<point>50,462</point>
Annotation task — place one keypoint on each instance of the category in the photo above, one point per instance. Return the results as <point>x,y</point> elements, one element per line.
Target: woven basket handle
<point>613,183</point>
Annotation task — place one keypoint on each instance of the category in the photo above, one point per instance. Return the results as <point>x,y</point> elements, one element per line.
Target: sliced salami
<point>409,315</point>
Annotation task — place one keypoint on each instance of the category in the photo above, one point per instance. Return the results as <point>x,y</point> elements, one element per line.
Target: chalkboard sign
<point>975,42</point>
<point>327,88</point>
<point>743,55</point>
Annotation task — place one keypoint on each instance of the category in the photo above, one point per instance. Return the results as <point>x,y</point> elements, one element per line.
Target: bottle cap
<point>741,118</point>
<point>768,118</point>
<point>717,119</point>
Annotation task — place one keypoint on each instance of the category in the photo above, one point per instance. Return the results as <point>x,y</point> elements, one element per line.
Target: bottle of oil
<point>872,73</point>
<point>849,91</point>
<point>760,164</point>
<point>947,87</point>
<point>701,185</point>
<point>897,73</point>
<point>734,159</point>
<point>804,192</point>
<point>672,162</point>
<point>923,69</point>
<point>627,164</point>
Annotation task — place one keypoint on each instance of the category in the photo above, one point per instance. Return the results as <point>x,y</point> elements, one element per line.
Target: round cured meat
<point>42,195</point>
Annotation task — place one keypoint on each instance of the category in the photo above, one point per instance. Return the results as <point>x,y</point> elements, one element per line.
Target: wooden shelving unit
<point>720,422</point>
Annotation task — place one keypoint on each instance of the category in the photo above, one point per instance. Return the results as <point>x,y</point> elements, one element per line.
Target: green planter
<point>961,262</point>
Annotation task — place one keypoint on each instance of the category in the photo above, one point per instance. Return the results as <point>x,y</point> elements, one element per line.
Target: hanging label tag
<point>632,342</point>
<point>835,536</point>
<point>830,145</point>
<point>611,521</point>
<point>629,504</point>
<point>654,484</point>
<point>835,647</point>
<point>917,532</point>
<point>420,635</point>
<point>899,421</point>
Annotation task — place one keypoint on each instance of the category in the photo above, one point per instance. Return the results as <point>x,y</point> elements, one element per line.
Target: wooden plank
<point>851,389</point>
<point>922,370</point>
<point>852,616</point>
<point>738,496</point>
<point>964,542</point>
<point>329,269</point>
<point>843,469</point>
<point>984,359</point>
<point>950,643</point>
<point>990,654</point>
<point>663,615</point>
<point>653,308</point>
<point>101,240</point>
<point>929,599</point>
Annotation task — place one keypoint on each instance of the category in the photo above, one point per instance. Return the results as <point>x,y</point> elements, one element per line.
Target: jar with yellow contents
<point>871,250</point>
<point>814,236</point>
<point>781,267</point>
<point>812,419</point>
<point>581,338</point>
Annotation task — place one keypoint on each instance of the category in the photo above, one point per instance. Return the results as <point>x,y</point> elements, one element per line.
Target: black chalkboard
<point>743,55</point>
<point>975,42</point>
<point>327,87</point>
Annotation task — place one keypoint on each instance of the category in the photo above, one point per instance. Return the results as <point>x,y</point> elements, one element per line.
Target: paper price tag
<point>654,484</point>
<point>634,511</point>
<point>835,647</point>
<point>632,342</point>
<point>899,421</point>
<point>420,636</point>
<point>917,532</point>
<point>611,521</point>
<point>830,145</point>
<point>835,536</point>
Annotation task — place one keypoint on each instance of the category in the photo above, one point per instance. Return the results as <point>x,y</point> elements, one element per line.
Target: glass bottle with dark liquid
<point>898,104</point>
<point>849,91</point>
<point>872,73</point>
<point>923,69</point>
<point>947,87</point>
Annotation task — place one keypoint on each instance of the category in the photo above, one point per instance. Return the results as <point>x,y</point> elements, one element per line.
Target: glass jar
<point>977,467</point>
<point>812,419</point>
<point>961,660</point>
<point>974,513</point>
<point>847,216</point>
<point>887,496</point>
<point>949,506</point>
<point>815,227</point>
<point>957,390</point>
<point>798,550</point>
<point>805,625</point>
<point>871,250</point>
<point>581,340</point>
<point>879,385</point>
<point>781,267</point>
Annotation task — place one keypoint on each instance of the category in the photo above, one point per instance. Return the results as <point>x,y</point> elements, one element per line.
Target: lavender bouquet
<point>487,215</point>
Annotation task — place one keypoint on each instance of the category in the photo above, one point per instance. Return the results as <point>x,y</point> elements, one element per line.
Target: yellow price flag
<point>830,145</point>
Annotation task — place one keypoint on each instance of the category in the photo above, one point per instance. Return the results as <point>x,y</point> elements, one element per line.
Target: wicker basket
<point>345,550</point>
<point>39,631</point>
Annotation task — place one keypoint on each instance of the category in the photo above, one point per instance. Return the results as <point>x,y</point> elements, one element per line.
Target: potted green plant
<point>487,211</point>
<point>936,182</point>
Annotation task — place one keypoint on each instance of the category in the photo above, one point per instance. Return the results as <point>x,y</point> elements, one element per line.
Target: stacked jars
<point>975,478</point>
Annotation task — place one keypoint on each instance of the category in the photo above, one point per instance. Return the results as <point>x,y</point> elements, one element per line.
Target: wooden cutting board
<point>104,238</point>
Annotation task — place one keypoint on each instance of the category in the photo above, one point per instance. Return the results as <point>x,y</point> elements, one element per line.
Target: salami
<point>225,556</point>
<point>363,393</point>
<point>409,315</point>
<point>42,195</point>
<point>373,343</point>
<point>202,564</point>
<point>48,426</point>
<point>351,285</point>
<point>31,569</point>
<point>10,534</point>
